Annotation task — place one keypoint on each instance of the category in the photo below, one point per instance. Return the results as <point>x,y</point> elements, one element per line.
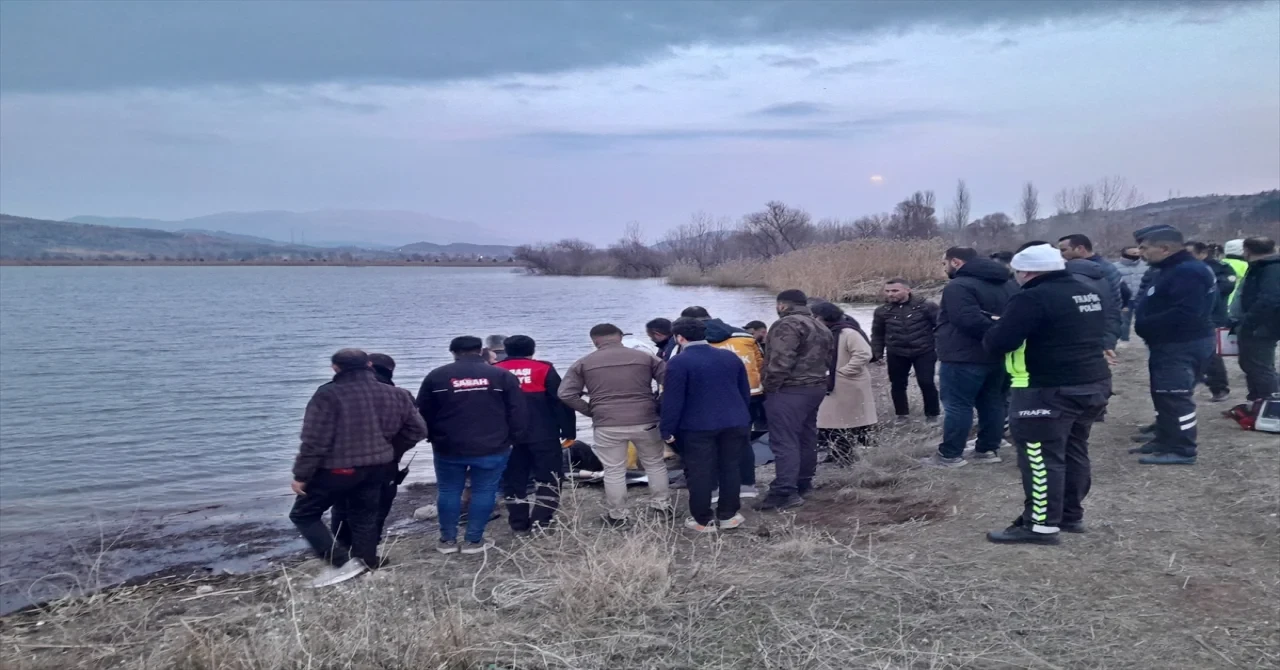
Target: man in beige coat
<point>623,407</point>
<point>849,411</point>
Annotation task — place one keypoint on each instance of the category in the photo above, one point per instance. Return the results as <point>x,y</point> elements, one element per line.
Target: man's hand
<point>670,439</point>
<point>877,361</point>
<point>568,442</point>
<point>299,488</point>
<point>1112,359</point>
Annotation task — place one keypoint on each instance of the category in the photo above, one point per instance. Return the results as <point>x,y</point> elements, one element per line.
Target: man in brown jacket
<point>351,433</point>
<point>623,408</point>
<point>797,358</point>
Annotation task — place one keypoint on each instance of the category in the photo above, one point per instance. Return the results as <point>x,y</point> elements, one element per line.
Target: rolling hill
<point>370,229</point>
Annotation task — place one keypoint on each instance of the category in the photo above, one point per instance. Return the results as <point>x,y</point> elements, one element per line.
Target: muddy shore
<point>886,566</point>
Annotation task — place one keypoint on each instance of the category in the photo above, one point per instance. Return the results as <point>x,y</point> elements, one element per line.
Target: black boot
<point>1021,535</point>
<point>1074,527</point>
<point>1148,448</point>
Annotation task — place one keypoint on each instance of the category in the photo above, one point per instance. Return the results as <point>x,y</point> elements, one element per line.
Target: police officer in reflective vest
<point>1052,334</point>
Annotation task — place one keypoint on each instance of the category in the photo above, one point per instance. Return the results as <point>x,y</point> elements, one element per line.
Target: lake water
<point>142,407</point>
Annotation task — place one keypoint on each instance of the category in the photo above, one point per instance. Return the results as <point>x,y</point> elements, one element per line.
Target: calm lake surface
<point>144,411</point>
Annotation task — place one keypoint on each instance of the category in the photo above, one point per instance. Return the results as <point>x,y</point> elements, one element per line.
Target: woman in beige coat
<point>848,413</point>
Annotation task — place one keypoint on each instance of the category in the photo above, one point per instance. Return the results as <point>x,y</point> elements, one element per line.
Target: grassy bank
<point>885,567</point>
<point>842,272</point>
<point>262,263</point>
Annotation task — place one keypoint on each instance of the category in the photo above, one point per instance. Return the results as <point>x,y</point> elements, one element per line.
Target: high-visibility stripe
<point>1039,486</point>
<point>1188,426</point>
<point>1187,417</point>
<point>1015,363</point>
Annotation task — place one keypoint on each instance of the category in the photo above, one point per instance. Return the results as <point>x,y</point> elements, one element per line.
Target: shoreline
<point>207,263</point>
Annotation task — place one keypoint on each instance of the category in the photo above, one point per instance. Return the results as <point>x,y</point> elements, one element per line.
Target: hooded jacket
<point>1241,267</point>
<point>1112,275</point>
<point>797,351</point>
<point>472,408</point>
<point>1259,298</point>
<point>1179,305</point>
<point>550,420</point>
<point>1131,272</point>
<point>979,291</point>
<point>903,329</point>
<point>1061,321</point>
<point>743,345</point>
<point>1093,276</point>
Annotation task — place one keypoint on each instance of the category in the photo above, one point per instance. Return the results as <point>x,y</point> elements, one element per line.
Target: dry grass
<point>855,271</point>
<point>733,274</point>
<point>885,567</point>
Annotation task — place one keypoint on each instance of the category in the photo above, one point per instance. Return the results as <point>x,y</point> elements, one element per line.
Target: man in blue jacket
<point>705,404</point>
<point>1175,320</point>
<point>1081,247</point>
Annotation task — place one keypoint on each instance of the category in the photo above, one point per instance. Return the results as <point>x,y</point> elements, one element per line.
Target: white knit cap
<point>1233,248</point>
<point>1040,258</point>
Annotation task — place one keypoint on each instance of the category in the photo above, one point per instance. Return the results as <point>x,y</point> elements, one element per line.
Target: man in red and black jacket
<point>537,451</point>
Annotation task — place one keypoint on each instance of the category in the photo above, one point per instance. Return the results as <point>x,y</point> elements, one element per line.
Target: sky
<point>553,119</point>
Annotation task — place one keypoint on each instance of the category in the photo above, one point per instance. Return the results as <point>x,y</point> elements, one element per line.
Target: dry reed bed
<point>855,271</point>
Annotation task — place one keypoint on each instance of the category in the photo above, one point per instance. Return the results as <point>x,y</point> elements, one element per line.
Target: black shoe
<point>1220,396</point>
<point>1148,448</point>
<point>804,488</point>
<point>1074,527</point>
<point>521,528</point>
<point>1021,535</point>
<point>776,503</point>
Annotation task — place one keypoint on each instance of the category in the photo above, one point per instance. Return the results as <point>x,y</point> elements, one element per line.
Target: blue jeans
<point>966,387</point>
<point>451,477</point>
<point>1175,369</point>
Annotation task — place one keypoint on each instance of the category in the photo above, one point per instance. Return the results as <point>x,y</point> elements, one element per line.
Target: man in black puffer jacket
<point>902,335</point>
<point>971,378</point>
<point>1215,373</point>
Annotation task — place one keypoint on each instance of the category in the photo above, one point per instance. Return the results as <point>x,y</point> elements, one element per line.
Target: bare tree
<point>1065,200</point>
<point>1030,204</point>
<point>958,215</point>
<point>633,258</point>
<point>777,229</point>
<point>699,243</point>
<point>915,217</point>
<point>993,231</point>
<point>871,226</point>
<point>1086,199</point>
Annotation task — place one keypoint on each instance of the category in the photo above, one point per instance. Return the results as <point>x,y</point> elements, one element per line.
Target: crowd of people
<point>1024,340</point>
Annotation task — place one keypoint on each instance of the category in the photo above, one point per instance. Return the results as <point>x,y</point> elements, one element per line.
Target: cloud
<point>74,46</point>
<point>522,87</point>
<point>798,63</point>
<point>859,67</point>
<point>1006,43</point>
<point>181,139</point>
<point>575,140</point>
<point>792,109</point>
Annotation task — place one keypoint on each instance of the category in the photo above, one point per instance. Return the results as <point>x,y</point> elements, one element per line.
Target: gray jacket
<point>618,383</point>
<point>1131,274</point>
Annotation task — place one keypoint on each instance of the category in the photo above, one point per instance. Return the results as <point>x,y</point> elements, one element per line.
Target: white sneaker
<point>735,522</point>
<point>477,547</point>
<point>693,525</point>
<point>331,575</point>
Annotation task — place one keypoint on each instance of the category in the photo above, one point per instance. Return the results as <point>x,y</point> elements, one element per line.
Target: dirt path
<point>885,567</point>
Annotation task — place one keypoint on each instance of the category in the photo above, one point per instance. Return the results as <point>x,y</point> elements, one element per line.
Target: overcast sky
<point>546,119</point>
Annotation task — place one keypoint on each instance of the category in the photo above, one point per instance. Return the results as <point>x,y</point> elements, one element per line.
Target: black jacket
<point>472,408</point>
<point>1095,278</point>
<point>1226,282</point>
<point>1179,305</point>
<point>550,420</point>
<point>978,292</point>
<point>1260,299</point>
<point>1063,323</point>
<point>903,329</point>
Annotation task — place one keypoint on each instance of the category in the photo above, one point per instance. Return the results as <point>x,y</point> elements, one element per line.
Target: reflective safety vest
<point>1240,267</point>
<point>1015,362</point>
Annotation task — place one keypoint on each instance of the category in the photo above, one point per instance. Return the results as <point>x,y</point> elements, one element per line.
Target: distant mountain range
<point>24,238</point>
<point>369,229</point>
